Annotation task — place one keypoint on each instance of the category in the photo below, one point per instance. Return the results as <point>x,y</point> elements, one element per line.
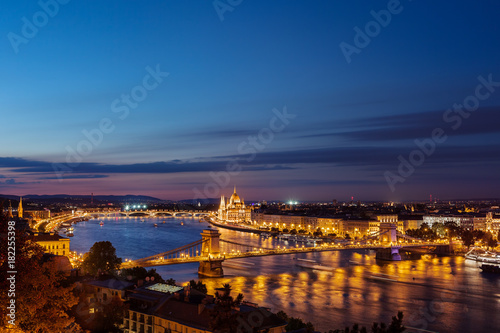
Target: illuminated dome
<point>235,198</point>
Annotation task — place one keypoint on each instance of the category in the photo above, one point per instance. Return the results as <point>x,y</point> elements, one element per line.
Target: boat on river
<point>312,264</point>
<point>483,256</point>
<point>487,268</point>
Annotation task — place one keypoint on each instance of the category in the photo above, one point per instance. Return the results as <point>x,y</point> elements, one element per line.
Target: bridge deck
<point>227,256</point>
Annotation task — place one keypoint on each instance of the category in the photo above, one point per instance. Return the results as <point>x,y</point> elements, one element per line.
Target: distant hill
<point>129,198</point>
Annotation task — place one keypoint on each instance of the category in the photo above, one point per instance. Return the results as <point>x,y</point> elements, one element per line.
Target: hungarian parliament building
<point>234,210</point>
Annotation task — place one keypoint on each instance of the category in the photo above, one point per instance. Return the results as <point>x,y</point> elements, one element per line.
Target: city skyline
<point>304,101</point>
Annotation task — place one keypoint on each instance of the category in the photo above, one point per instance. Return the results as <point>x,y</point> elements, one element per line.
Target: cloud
<point>411,126</point>
<point>367,157</point>
<point>76,177</point>
<point>12,181</point>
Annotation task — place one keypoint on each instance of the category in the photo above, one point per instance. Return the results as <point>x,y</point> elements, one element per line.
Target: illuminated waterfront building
<point>37,215</point>
<point>53,243</point>
<point>234,210</point>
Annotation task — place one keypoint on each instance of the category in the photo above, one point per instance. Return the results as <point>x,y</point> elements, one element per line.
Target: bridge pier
<point>211,268</point>
<point>210,248</point>
<point>390,253</point>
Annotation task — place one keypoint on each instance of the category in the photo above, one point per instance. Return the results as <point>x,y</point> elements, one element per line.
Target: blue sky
<point>351,119</point>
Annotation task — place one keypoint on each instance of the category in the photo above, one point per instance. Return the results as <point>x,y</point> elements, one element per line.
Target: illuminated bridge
<point>145,213</point>
<point>207,251</point>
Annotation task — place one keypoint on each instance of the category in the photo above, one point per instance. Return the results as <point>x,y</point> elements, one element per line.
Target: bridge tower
<point>388,233</point>
<point>388,236</point>
<point>212,267</point>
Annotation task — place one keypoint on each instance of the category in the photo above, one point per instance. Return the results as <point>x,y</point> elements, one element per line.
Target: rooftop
<point>164,288</point>
<point>47,237</point>
<point>111,284</point>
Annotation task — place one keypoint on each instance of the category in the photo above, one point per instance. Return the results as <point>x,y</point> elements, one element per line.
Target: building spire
<point>234,188</point>
<point>20,208</point>
<point>10,210</point>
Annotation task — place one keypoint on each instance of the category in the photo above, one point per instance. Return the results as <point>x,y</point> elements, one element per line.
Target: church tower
<point>222,208</point>
<point>20,208</point>
<point>10,211</point>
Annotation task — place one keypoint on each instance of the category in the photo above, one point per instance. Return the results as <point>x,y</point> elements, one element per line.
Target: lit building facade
<point>37,215</point>
<point>53,243</point>
<point>492,223</point>
<point>465,221</point>
<point>234,210</point>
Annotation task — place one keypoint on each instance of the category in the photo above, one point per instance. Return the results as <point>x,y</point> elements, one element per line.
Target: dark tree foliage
<point>223,315</point>
<point>43,301</point>
<point>201,287</point>
<point>101,259</point>
<point>425,232</point>
<point>140,273</point>
<point>489,240</point>
<point>396,326</point>
<point>295,323</point>
<point>170,282</point>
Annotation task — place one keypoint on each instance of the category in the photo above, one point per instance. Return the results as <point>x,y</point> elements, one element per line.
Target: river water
<point>446,294</point>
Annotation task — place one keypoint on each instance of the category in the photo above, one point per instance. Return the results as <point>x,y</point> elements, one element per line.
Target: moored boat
<point>487,268</point>
<point>483,256</point>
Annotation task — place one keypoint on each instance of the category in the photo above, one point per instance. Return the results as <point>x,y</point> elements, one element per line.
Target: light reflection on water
<point>447,294</point>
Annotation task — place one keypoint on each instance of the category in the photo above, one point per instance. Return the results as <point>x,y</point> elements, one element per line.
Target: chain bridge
<point>210,251</point>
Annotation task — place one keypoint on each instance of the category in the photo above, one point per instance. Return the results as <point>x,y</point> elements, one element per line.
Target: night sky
<point>287,100</point>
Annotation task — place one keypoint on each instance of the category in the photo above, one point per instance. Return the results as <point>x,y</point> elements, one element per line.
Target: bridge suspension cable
<point>194,247</point>
<point>246,245</point>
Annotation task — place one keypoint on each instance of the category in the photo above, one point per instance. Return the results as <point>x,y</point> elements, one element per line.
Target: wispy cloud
<point>367,157</point>
<point>408,126</point>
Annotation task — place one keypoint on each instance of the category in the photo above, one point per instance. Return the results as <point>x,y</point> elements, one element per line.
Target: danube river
<point>447,294</point>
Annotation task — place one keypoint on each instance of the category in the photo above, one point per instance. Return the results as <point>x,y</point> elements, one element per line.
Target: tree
<point>42,299</point>
<point>223,316</point>
<point>105,318</point>
<point>396,326</point>
<point>140,273</point>
<point>453,229</point>
<point>489,240</point>
<point>111,315</point>
<point>101,259</point>
<point>170,282</point>
<point>318,233</point>
<point>467,238</point>
<point>201,287</point>
<point>295,323</point>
